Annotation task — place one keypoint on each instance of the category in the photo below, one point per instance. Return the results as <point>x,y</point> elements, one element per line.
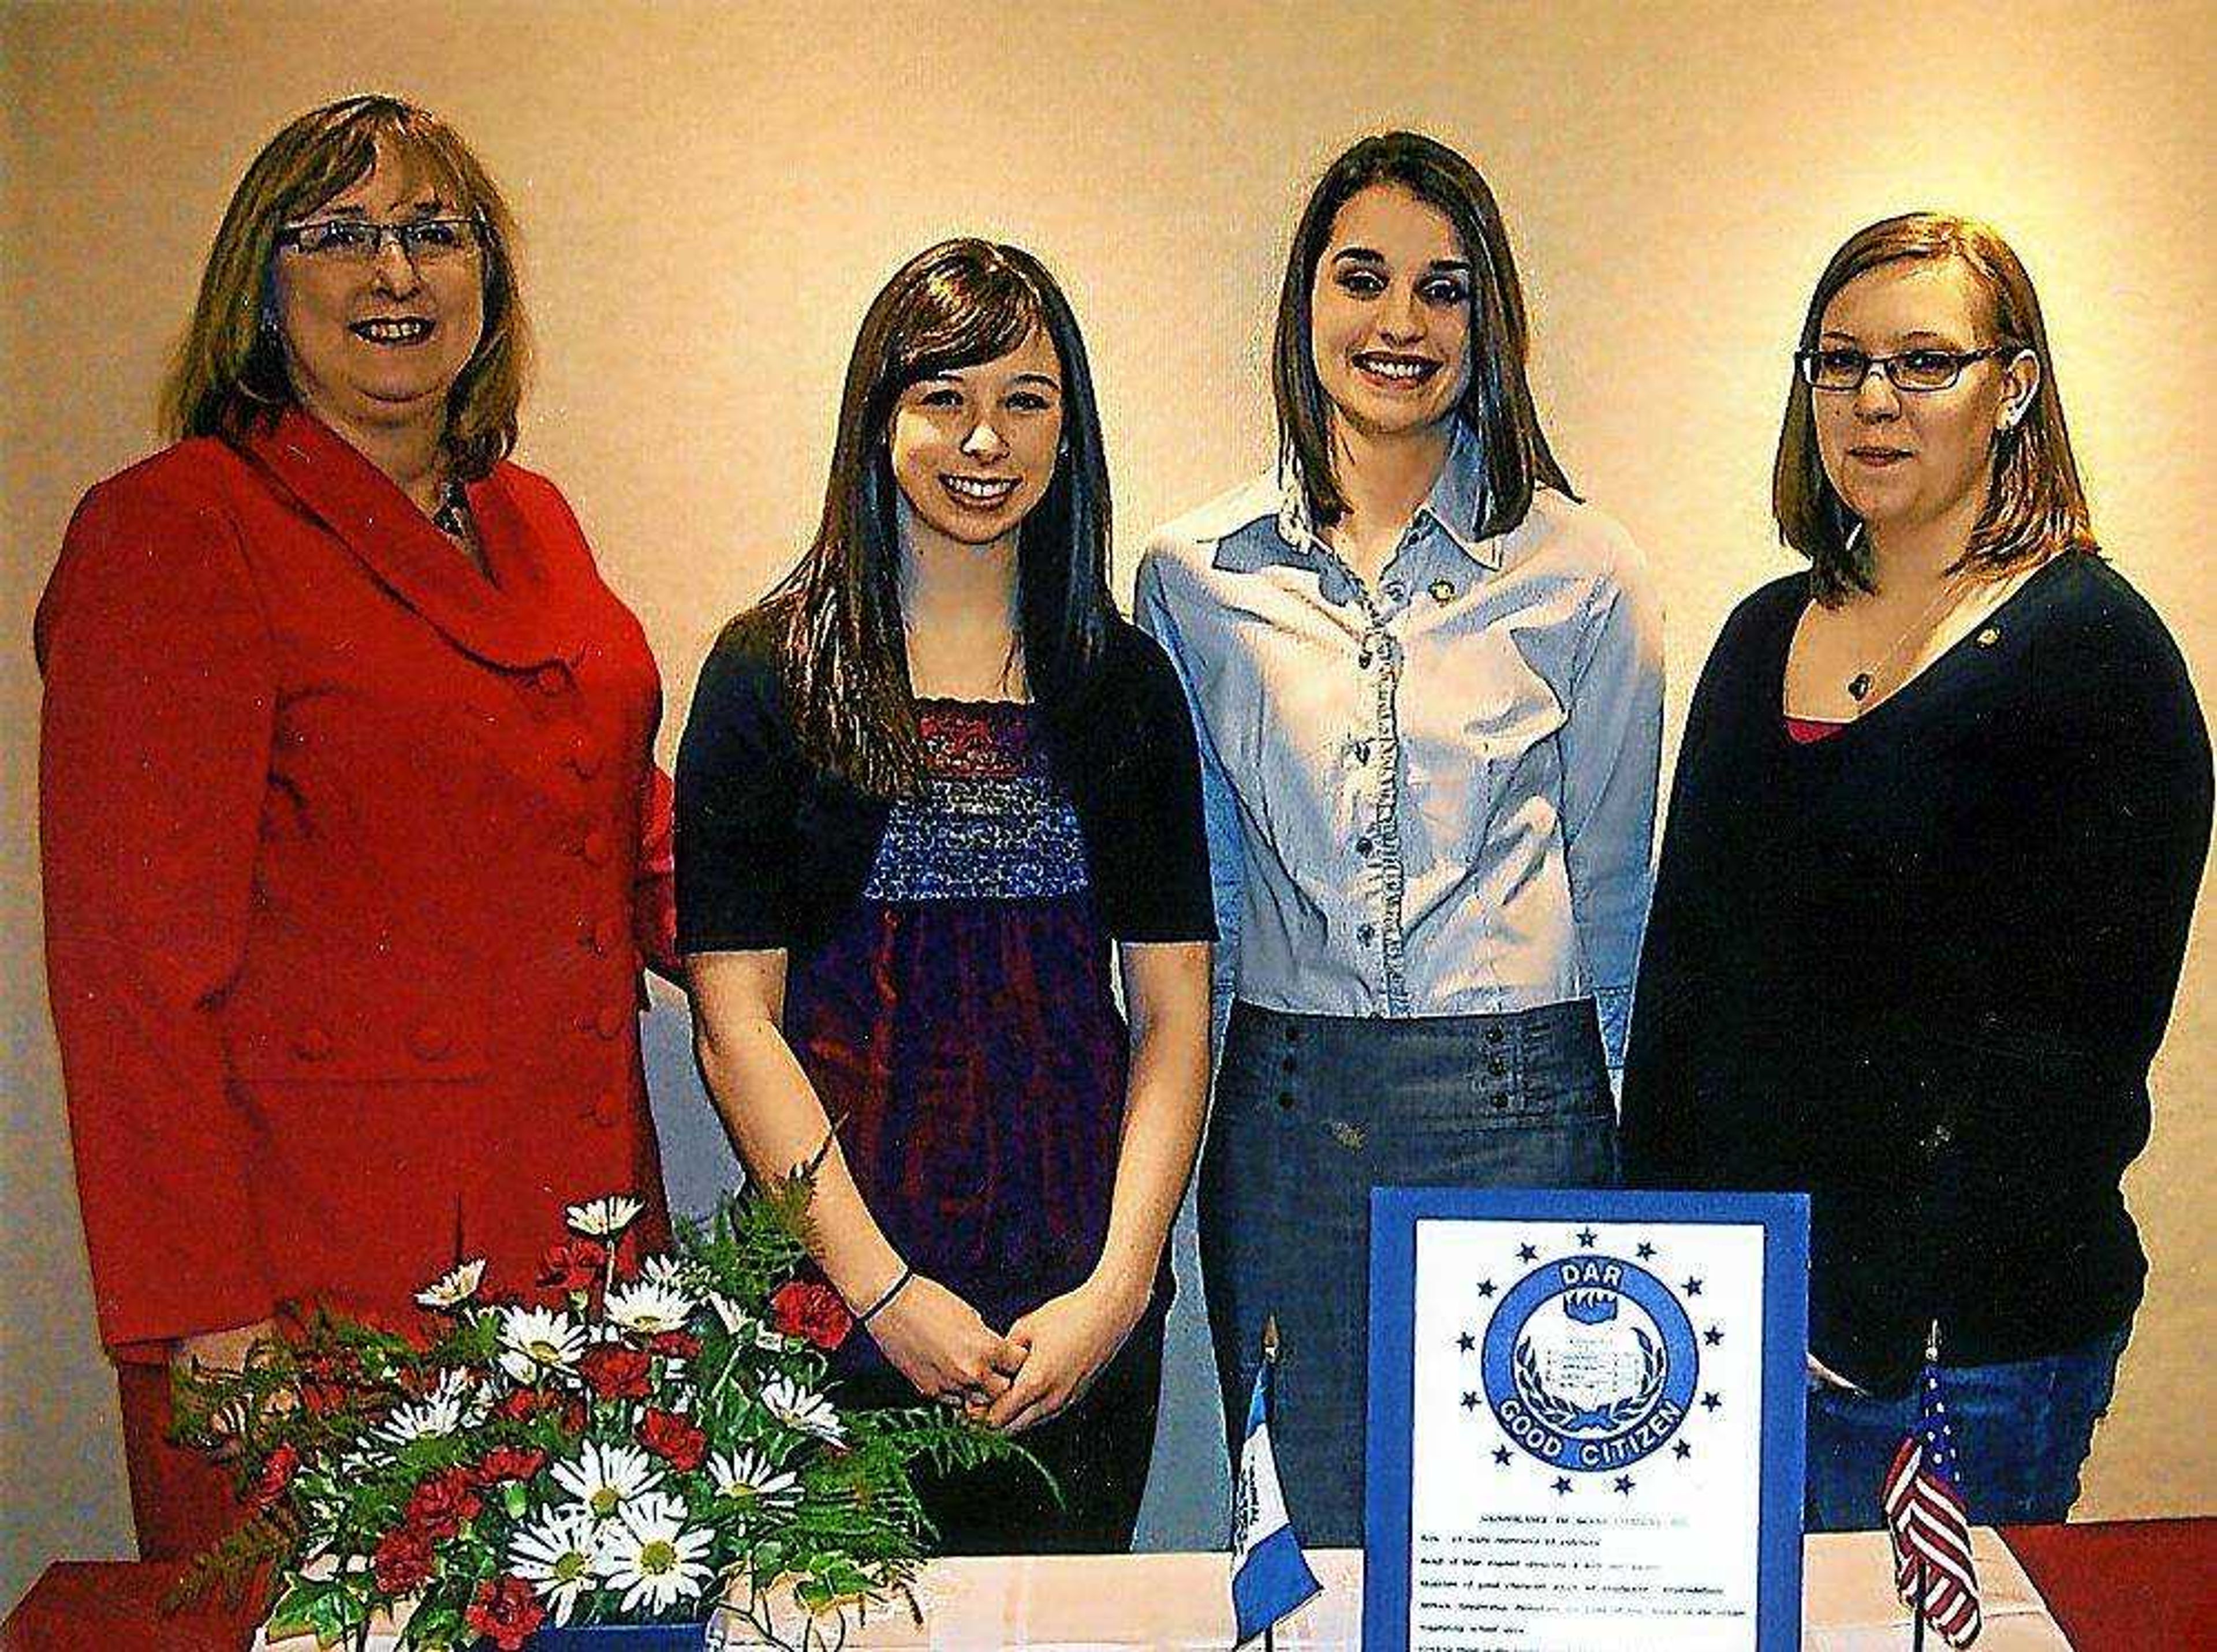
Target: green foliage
<point>356,1444</point>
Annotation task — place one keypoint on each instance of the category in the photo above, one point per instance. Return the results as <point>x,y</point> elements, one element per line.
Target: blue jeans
<point>2022,1432</point>
<point>1311,1113</point>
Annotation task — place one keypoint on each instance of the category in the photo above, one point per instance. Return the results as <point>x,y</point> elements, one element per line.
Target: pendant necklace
<point>1861,684</point>
<point>452,516</point>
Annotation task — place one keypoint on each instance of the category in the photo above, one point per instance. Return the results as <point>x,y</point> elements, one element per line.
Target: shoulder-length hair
<point>2035,506</point>
<point>845,660</point>
<point>1497,404</point>
<point>229,372</point>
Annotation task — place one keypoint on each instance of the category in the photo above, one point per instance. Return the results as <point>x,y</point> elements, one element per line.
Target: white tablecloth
<point>1182,1603</point>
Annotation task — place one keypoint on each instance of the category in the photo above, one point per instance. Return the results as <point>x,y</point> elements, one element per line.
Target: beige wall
<point>711,195</point>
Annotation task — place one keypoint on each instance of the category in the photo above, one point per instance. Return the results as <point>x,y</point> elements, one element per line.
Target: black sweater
<point>1920,968</point>
<point>774,851</point>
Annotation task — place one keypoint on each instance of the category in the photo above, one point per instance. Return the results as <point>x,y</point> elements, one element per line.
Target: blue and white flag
<point>1270,1576</point>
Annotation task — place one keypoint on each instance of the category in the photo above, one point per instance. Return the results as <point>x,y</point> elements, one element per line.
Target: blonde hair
<point>2035,506</point>
<point>229,372</point>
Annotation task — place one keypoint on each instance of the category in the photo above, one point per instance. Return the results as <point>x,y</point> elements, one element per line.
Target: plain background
<point>710,195</point>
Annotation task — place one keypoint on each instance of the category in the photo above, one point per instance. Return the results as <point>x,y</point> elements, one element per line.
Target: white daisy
<point>454,1288</point>
<point>604,1218</point>
<point>751,1477</point>
<point>537,1342</point>
<point>608,1477</point>
<point>734,1319</point>
<point>803,1409</point>
<point>677,1275</point>
<point>654,1557</point>
<point>743,1326</point>
<point>649,1308</point>
<point>557,1554</point>
<point>448,1408</point>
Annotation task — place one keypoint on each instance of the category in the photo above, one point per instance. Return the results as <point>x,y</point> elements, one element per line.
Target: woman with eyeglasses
<point>1940,814</point>
<point>1427,681</point>
<point>347,807</point>
<point>923,787</point>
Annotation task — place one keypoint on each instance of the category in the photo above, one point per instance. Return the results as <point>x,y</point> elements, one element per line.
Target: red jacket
<point>344,849</point>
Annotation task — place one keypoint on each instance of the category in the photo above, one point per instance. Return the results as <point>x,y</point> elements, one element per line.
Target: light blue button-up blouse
<point>1433,796</point>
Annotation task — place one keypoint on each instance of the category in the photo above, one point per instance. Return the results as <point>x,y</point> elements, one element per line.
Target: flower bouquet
<point>647,1439</point>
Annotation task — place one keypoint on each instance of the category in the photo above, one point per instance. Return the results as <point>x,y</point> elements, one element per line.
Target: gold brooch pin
<point>1443,590</point>
<point>1989,636</point>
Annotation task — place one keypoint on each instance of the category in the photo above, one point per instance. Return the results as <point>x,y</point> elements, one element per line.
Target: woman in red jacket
<point>347,799</point>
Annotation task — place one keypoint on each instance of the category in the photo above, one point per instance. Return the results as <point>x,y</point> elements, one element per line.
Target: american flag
<point>1932,1533</point>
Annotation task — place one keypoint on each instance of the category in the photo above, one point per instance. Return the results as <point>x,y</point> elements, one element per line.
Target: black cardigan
<point>1920,968</point>
<point>774,851</point>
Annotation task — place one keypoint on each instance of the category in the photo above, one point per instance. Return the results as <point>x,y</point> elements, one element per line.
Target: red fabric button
<point>609,1112</point>
<point>549,679</point>
<point>609,1023</point>
<point>312,1044</point>
<point>585,757</point>
<point>606,934</point>
<point>594,848</point>
<point>429,1041</point>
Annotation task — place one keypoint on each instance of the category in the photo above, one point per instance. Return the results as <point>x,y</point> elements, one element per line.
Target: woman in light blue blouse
<point>1428,682</point>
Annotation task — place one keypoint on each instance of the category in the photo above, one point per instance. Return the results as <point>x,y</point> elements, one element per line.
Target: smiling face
<point>974,448</point>
<point>1389,313</point>
<point>379,344</point>
<point>1900,459</point>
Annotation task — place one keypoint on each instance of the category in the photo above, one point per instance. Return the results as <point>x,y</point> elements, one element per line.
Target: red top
<point>345,845</point>
<point>1807,730</point>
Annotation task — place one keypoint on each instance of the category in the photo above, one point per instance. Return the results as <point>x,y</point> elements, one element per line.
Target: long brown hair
<point>1497,404</point>
<point>2035,506</point>
<point>845,659</point>
<point>230,373</point>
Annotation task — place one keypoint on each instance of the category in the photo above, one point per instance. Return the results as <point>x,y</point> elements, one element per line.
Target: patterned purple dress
<point>961,1029</point>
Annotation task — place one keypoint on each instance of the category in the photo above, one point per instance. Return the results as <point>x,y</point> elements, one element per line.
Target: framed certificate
<point>1585,1422</point>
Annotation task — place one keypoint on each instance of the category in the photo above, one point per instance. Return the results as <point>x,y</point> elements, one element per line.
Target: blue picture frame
<point>1394,1214</point>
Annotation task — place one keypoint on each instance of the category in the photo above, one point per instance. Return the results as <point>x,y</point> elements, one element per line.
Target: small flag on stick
<point>1270,1576</point>
<point>1931,1532</point>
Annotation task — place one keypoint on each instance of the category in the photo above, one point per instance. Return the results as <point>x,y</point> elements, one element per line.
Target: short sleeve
<point>1150,850</point>
<point>737,776</point>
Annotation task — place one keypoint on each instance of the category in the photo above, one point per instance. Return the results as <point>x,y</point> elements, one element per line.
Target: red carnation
<point>321,1399</point>
<point>505,1611</point>
<point>616,1373</point>
<point>508,1463</point>
<point>671,1436</point>
<point>674,1344</point>
<point>323,1382</point>
<point>402,1561</point>
<point>573,1414</point>
<point>441,1503</point>
<point>276,1474</point>
<point>573,1265</point>
<point>523,1405</point>
<point>809,1309</point>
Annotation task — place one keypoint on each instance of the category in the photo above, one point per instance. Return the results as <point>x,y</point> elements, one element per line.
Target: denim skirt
<point>1312,1111</point>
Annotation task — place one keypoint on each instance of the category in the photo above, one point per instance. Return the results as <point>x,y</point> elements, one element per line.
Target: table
<point>2119,1586</point>
<point>2126,1583</point>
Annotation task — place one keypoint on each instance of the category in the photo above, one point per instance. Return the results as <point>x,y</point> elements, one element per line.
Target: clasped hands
<point>1048,1360</point>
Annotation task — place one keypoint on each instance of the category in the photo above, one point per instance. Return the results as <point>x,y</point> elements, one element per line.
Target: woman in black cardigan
<point>1939,819</point>
<point>936,802</point>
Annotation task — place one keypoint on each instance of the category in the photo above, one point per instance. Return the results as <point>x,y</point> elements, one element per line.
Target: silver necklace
<point>1865,679</point>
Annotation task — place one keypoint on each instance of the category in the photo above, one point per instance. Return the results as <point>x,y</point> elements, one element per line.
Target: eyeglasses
<point>1912,370</point>
<point>358,241</point>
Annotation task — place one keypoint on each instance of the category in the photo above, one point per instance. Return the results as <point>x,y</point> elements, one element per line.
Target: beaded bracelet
<point>892,1291</point>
